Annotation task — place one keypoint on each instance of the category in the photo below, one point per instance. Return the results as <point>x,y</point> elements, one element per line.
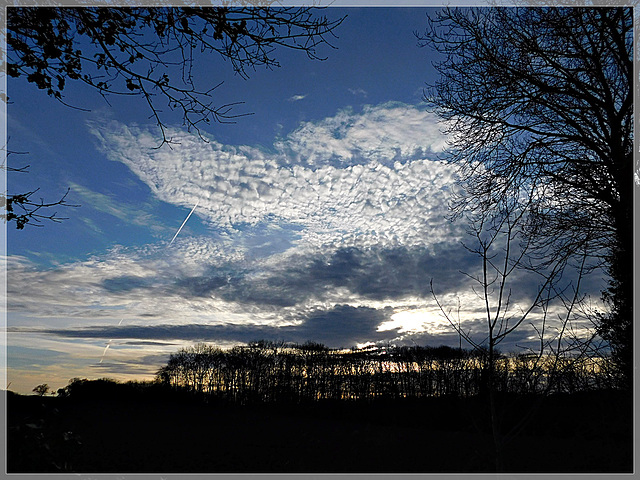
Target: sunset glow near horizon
<point>320,217</point>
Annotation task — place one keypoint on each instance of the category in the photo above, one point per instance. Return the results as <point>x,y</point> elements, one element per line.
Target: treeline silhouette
<point>375,409</point>
<point>266,371</point>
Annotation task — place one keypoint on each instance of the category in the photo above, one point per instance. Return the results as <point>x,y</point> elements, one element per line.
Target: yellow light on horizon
<point>415,321</point>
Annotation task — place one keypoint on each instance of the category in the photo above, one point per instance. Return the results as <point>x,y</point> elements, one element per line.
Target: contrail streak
<point>104,353</point>
<point>109,343</point>
<point>185,221</point>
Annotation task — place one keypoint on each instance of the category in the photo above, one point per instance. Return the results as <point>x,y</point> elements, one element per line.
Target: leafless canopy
<point>540,99</point>
<point>24,209</point>
<point>151,52</point>
<point>539,104</point>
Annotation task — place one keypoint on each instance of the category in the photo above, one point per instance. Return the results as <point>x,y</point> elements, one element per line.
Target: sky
<point>321,216</point>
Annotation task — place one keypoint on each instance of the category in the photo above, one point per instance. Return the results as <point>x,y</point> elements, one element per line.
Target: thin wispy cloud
<point>358,92</point>
<point>296,98</point>
<point>137,214</point>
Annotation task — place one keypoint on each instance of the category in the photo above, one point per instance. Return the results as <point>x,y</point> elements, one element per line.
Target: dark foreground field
<point>588,432</point>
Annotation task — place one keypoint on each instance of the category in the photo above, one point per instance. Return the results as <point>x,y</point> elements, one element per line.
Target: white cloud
<point>297,98</point>
<point>365,179</point>
<point>125,282</point>
<point>384,133</point>
<point>357,91</point>
<point>135,215</point>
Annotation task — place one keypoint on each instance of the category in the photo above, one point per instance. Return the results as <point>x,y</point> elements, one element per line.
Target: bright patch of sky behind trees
<point>320,217</point>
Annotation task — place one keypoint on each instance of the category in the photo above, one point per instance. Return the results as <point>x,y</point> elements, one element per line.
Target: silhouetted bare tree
<point>539,103</point>
<point>149,53</point>
<point>551,308</point>
<point>23,208</point>
<point>152,52</point>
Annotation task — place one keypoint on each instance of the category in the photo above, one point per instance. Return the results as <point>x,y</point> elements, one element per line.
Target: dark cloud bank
<point>373,274</point>
<point>341,326</point>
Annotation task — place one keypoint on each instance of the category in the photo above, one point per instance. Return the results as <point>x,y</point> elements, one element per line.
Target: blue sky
<point>319,217</point>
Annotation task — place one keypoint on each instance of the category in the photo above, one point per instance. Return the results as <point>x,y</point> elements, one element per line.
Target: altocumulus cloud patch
<point>370,178</point>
